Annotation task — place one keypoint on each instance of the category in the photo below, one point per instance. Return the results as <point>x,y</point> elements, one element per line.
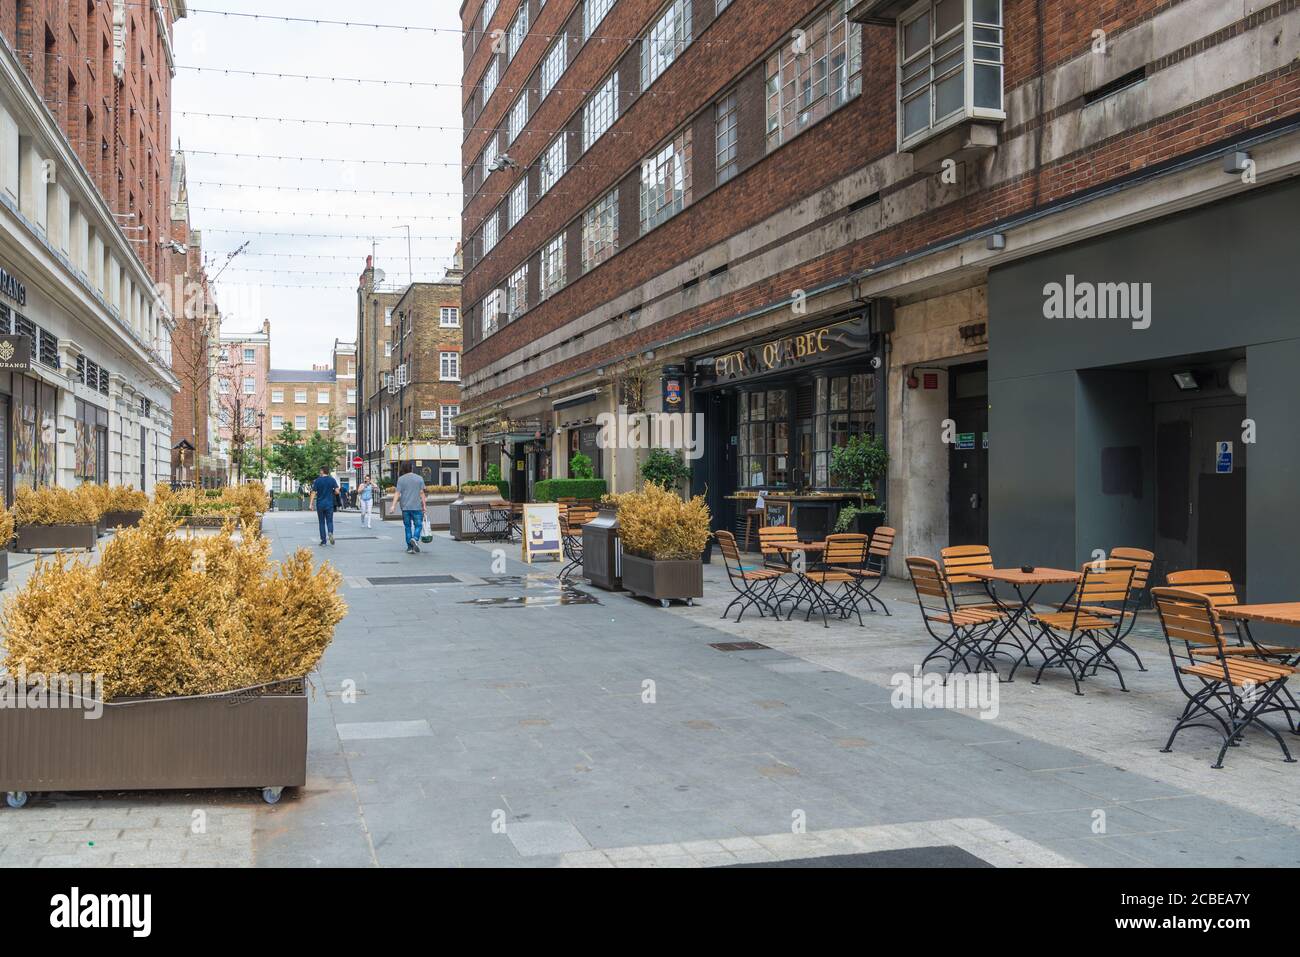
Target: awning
<point>578,398</point>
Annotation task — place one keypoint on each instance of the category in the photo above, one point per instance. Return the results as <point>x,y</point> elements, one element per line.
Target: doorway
<point>968,455</point>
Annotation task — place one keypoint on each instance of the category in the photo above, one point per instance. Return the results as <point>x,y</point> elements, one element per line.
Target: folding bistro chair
<point>1218,587</point>
<point>960,632</point>
<point>1104,583</point>
<point>755,587</point>
<point>872,572</point>
<point>845,555</point>
<point>1233,691</point>
<point>769,536</point>
<point>572,518</point>
<point>970,592</point>
<point>1142,560</point>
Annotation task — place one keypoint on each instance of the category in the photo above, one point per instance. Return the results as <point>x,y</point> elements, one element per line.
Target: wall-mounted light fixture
<point>1186,381</point>
<point>1236,163</point>
<point>997,241</point>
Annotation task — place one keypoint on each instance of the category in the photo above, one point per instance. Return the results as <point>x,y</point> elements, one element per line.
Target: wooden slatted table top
<point>1014,576</point>
<point>798,546</point>
<point>1281,613</point>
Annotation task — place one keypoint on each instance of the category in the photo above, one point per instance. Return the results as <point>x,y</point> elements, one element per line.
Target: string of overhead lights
<point>331,256</point>
<point>321,159</point>
<point>367,236</point>
<point>362,123</point>
<point>313,215</point>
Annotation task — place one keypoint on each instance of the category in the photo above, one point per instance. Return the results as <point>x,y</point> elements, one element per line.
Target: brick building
<point>815,217</point>
<point>243,394</point>
<point>320,399</point>
<point>85,100</point>
<point>409,375</point>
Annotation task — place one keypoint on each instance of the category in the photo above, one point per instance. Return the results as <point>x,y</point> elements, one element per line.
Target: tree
<point>287,457</point>
<point>239,411</point>
<point>321,452</point>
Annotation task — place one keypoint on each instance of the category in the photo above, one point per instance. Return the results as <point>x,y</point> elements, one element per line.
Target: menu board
<point>541,530</point>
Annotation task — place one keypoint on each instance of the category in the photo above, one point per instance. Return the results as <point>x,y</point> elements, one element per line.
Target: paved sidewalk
<point>489,717</point>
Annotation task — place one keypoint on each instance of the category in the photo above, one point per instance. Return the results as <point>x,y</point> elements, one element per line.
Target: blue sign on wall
<point>1223,458</point>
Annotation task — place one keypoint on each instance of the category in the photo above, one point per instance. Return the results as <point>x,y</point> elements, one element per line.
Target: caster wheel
<point>663,602</point>
<point>16,799</point>
<point>690,603</point>
<point>272,795</point>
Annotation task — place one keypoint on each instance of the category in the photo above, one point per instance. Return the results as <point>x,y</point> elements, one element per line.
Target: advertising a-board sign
<point>541,530</point>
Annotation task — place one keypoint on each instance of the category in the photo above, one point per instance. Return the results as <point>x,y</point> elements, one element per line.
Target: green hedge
<point>550,490</point>
<point>504,489</point>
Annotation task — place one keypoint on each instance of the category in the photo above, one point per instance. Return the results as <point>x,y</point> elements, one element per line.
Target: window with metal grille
<point>816,72</point>
<point>668,36</point>
<point>727,124</point>
<point>493,306</point>
<point>552,165</point>
<point>48,354</point>
<point>518,204</point>
<point>552,263</point>
<point>553,65</point>
<point>517,31</point>
<point>600,231</point>
<point>600,111</point>
<point>666,181</point>
<point>490,77</point>
<point>517,117</point>
<point>491,232</point>
<point>592,13</point>
<point>517,293</point>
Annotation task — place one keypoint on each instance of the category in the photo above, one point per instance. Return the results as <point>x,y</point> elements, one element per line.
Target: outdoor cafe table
<point>1021,581</point>
<point>789,550</point>
<point>1277,613</point>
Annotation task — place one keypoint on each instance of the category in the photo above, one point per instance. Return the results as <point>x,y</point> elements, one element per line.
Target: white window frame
<point>600,112</point>
<point>517,203</point>
<point>553,65</point>
<point>801,86</point>
<point>322,397</point>
<point>666,181</point>
<point>517,293</point>
<point>277,395</point>
<point>449,366</point>
<point>517,31</point>
<point>491,77</point>
<point>250,385</point>
<point>667,37</point>
<point>250,355</point>
<point>352,396</point>
<point>300,396</point>
<point>300,423</point>
<point>493,307</point>
<point>517,118</point>
<point>447,419</point>
<point>551,279</point>
<point>593,12</point>
<point>323,422</point>
<point>388,349</point>
<point>553,163</point>
<point>223,387</point>
<point>489,156</point>
<point>449,317</point>
<point>600,231</point>
<point>277,422</point>
<point>491,231</point>
<point>985,54</point>
<point>726,137</point>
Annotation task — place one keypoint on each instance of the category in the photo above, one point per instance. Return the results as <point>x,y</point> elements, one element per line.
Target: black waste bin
<point>602,551</point>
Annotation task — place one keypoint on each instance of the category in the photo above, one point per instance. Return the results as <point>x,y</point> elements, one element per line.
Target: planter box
<point>32,537</point>
<point>461,525</point>
<point>214,523</point>
<point>439,504</point>
<point>121,519</point>
<point>386,512</point>
<point>4,566</point>
<point>663,580</point>
<point>149,744</point>
<point>289,503</point>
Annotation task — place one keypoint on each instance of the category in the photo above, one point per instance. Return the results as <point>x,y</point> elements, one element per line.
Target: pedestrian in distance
<point>408,493</point>
<point>324,498</point>
<point>366,496</point>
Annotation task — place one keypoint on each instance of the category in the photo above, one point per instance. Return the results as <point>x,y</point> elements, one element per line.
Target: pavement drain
<point>415,580</point>
<point>738,646</point>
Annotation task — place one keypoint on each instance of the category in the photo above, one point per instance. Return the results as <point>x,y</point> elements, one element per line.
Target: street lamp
<point>261,445</point>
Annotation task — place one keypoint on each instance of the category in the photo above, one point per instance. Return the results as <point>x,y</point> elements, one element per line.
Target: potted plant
<point>472,495</point>
<point>863,519</point>
<point>494,478</point>
<point>663,537</point>
<point>121,506</point>
<point>191,654</point>
<point>54,518</point>
<point>859,464</point>
<point>6,537</point>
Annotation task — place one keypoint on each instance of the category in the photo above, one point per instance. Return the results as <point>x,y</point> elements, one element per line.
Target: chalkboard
<point>778,513</point>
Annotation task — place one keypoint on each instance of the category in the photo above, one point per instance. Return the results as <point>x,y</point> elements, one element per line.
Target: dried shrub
<point>242,504</point>
<point>6,527</point>
<point>55,506</point>
<point>440,489</point>
<point>478,488</point>
<point>162,615</point>
<point>114,498</point>
<point>658,524</point>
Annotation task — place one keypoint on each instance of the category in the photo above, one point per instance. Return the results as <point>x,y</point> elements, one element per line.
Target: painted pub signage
<point>822,344</point>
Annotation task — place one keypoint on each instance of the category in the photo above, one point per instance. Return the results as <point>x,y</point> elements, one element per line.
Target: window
<point>592,13</point>
<point>250,418</point>
<point>518,204</point>
<point>489,8</point>
<point>449,317</point>
<point>493,306</point>
<point>223,417</point>
<point>552,263</point>
<point>516,119</point>
<point>600,232</point>
<point>553,65</point>
<point>250,385</point>
<point>224,387</point>
<point>517,31</point>
<point>552,165</point>
<point>250,356</point>
<point>728,164</point>
<point>277,422</point>
<point>277,395</point>
<point>490,77</point>
<point>352,424</point>
<point>845,406</point>
<point>517,293</point>
<point>763,439</point>
<point>668,36</point>
<point>722,5</point>
<point>388,315</point>
<point>666,182</point>
<point>323,422</point>
<point>600,111</point>
<point>449,413</point>
<point>300,423</point>
<point>299,395</point>
<point>322,397</point>
<point>388,349</point>
<point>491,232</point>
<point>950,67</point>
<point>449,365</point>
<point>813,74</point>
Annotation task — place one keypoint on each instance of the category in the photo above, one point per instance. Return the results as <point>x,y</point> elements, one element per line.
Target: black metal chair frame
<point>756,592</point>
<point>1084,626</point>
<point>966,630</point>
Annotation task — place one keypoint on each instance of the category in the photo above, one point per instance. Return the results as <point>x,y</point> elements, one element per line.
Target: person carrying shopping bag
<point>408,493</point>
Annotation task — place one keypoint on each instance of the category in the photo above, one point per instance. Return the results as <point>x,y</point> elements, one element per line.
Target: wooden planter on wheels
<point>32,537</point>
<point>663,581</point>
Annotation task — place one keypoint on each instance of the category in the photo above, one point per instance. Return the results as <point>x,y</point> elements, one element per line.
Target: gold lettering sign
<point>839,338</point>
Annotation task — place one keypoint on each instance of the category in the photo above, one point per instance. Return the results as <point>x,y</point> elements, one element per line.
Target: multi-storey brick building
<point>320,399</point>
<point>828,218</point>
<point>410,363</point>
<point>85,92</point>
<point>243,393</point>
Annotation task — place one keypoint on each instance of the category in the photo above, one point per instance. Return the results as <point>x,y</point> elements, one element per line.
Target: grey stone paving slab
<point>368,730</point>
<point>532,838</point>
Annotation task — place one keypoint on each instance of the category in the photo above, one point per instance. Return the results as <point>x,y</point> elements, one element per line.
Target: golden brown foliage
<point>6,526</point>
<point>656,523</point>
<point>55,506</point>
<point>114,498</point>
<point>241,503</point>
<point>164,615</point>
<point>479,488</point>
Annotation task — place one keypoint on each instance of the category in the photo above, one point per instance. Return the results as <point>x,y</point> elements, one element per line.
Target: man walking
<point>324,498</point>
<point>366,499</point>
<point>409,494</point>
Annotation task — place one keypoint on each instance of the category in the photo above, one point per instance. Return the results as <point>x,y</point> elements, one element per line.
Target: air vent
<point>715,273</point>
<point>865,201</point>
<point>1114,86</point>
<point>691,283</point>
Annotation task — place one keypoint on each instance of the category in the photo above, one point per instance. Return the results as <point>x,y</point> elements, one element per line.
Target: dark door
<point>968,456</point>
<point>518,474</point>
<point>5,451</point>
<point>713,475</point>
<point>144,458</point>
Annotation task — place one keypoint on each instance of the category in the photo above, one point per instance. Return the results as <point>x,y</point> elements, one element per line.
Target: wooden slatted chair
<point>1232,691</point>
<point>1218,587</point>
<point>873,570</point>
<point>755,587</point>
<point>572,518</point>
<point>1142,560</point>
<point>844,557</point>
<point>1104,583</point>
<point>959,632</point>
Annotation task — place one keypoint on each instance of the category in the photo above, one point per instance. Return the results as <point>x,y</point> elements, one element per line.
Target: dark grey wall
<point>1223,277</point>
<point>1113,413</point>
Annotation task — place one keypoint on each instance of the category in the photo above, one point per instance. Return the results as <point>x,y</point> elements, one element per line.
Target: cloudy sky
<point>306,286</point>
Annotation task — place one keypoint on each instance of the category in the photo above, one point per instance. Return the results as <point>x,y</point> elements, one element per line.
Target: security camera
<point>875,362</point>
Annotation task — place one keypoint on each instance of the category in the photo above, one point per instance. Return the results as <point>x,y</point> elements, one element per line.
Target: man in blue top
<point>324,496</point>
<point>409,494</point>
